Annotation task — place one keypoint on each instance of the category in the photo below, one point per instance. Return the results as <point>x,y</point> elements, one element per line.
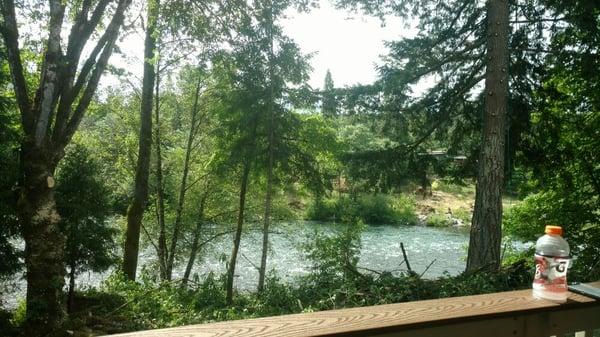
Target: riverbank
<point>444,205</point>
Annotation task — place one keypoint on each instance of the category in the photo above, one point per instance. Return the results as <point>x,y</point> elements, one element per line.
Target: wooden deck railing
<point>513,313</point>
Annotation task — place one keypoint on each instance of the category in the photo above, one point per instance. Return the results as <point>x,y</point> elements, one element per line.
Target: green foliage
<point>336,255</point>
<point>373,209</point>
<point>335,281</point>
<point>453,187</point>
<point>83,201</point>
<point>528,219</point>
<point>437,220</point>
<point>149,305</point>
<point>20,314</point>
<point>329,105</point>
<point>10,135</point>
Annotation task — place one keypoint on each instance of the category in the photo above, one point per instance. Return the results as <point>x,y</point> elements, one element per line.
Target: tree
<point>559,152</point>
<point>199,27</point>
<point>270,111</point>
<point>329,103</point>
<point>140,196</point>
<point>454,45</point>
<point>49,118</point>
<point>257,124</point>
<point>486,226</point>
<point>83,202</point>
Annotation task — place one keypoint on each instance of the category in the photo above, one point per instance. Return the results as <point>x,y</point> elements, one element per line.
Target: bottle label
<point>551,273</point>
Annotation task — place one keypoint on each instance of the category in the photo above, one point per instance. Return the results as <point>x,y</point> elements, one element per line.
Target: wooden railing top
<point>377,319</point>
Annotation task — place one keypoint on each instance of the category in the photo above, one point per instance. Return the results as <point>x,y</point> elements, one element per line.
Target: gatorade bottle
<point>551,263</point>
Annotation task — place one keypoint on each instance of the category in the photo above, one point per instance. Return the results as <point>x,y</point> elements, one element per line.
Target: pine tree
<point>329,102</point>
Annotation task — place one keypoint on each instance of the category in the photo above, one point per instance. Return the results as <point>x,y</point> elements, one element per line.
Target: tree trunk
<point>136,209</point>
<point>268,198</point>
<point>486,230</point>
<point>238,232</point>
<point>183,185</point>
<point>195,242</point>
<point>160,189</point>
<point>71,296</point>
<point>44,242</point>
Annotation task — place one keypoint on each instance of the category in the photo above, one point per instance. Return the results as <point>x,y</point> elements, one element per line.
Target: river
<point>445,247</point>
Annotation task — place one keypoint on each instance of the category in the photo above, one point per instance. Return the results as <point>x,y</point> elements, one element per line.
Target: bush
<point>438,220</point>
<point>404,207</point>
<point>526,221</point>
<point>374,209</point>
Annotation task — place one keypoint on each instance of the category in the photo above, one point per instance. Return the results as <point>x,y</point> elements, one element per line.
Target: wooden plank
<point>391,318</point>
<point>533,324</point>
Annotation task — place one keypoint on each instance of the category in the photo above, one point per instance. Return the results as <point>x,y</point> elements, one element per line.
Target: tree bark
<point>269,193</point>
<point>44,242</point>
<point>486,230</point>
<point>136,209</point>
<point>238,233</point>
<point>184,177</point>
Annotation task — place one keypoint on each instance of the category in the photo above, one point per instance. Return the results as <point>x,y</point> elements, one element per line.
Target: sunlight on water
<point>380,251</point>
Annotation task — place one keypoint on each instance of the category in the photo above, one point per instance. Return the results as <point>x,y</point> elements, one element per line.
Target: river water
<point>445,247</point>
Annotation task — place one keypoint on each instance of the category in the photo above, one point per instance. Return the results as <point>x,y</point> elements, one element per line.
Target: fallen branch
<point>247,259</point>
<point>405,257</point>
<point>426,269</point>
<point>371,270</point>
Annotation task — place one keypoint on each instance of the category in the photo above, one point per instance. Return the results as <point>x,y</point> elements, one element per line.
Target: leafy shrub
<point>438,220</point>
<point>375,209</point>
<point>19,315</point>
<point>404,209</point>
<point>149,305</point>
<point>527,220</point>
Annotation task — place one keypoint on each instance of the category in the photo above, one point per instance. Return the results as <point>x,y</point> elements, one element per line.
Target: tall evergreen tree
<point>82,198</point>
<point>486,226</point>
<point>329,101</point>
<point>455,45</point>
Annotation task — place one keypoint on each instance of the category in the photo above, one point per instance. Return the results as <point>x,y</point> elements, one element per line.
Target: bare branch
<point>540,20</point>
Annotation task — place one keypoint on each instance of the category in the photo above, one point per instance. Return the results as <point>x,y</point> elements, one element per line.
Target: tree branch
<point>110,36</point>
<point>80,33</point>
<point>540,20</point>
<point>47,93</point>
<point>10,33</point>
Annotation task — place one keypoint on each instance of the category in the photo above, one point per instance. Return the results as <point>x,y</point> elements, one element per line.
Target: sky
<point>347,44</point>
